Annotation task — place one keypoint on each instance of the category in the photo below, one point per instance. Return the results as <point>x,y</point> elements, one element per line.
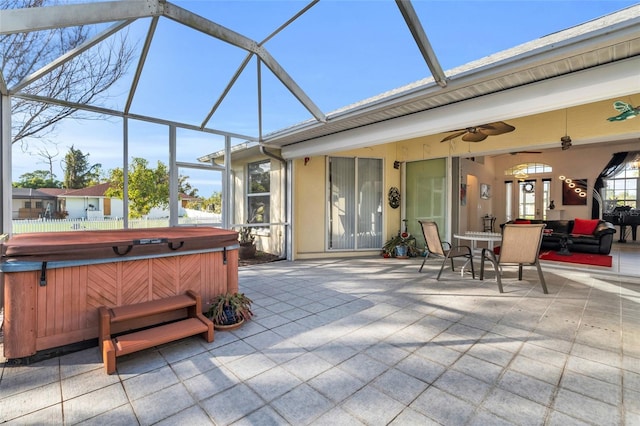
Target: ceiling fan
<point>480,133</point>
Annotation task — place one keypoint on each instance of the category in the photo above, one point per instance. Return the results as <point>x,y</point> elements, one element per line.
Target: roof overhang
<point>587,86</point>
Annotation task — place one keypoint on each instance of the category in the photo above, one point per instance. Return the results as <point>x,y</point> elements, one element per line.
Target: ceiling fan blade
<point>455,135</point>
<point>474,137</point>
<point>497,128</point>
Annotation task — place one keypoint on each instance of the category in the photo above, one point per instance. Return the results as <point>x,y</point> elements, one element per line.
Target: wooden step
<point>144,339</point>
<point>153,307</point>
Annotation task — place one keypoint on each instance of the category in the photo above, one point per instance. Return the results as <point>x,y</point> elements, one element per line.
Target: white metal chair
<point>436,247</point>
<point>520,246</point>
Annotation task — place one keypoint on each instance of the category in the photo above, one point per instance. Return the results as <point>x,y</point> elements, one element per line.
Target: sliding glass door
<point>355,203</point>
<point>426,195</point>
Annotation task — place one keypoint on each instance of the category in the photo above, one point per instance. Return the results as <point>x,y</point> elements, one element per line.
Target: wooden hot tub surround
<point>54,283</point>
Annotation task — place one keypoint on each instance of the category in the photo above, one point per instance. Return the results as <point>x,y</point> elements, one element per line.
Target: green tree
<point>38,179</point>
<point>77,171</point>
<point>184,187</point>
<point>148,188</point>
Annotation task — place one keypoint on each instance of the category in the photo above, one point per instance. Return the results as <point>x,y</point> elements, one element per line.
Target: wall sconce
<point>565,142</point>
<point>306,160</point>
<point>396,164</point>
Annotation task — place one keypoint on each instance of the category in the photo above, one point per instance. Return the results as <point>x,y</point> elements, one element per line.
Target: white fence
<point>61,225</point>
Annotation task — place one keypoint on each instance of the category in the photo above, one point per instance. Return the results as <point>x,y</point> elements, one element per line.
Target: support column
<point>5,165</point>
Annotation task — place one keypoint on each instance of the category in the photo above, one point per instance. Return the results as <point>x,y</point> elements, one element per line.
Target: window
<point>355,203</point>
<point>259,192</point>
<point>38,204</point>
<point>622,189</point>
<point>27,204</point>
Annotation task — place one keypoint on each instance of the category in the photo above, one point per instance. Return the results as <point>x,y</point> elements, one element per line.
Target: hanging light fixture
<point>565,141</point>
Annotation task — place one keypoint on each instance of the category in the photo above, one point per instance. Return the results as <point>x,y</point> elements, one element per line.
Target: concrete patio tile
<point>122,415</point>
<point>89,381</point>
<point>608,357</point>
<point>137,363</point>
<point>631,380</point>
<point>264,339</point>
<point>595,369</point>
<point>181,349</point>
<point>631,418</point>
<point>527,387</point>
<point>307,366</point>
<point>463,386</point>
<point>232,352</point>
<point>162,404</point>
<point>81,362</point>
<point>381,408</point>
<point>283,352</point>
<point>387,353</point>
<point>631,400</point>
<point>556,418</point>
<point>94,403</point>
<point>21,404</point>
<point>191,416</point>
<point>232,404</point>
<point>268,320</point>
<point>421,368</point>
<point>302,405</point>
<point>409,416</point>
<point>265,416</point>
<point>16,380</point>
<point>197,364</point>
<point>443,407</point>
<point>533,350</point>
<point>149,383</point>
<point>211,383</point>
<point>593,388</point>
<point>586,409</point>
<point>250,365</point>
<point>438,353</point>
<point>631,363</point>
<point>540,370</point>
<point>480,369</point>
<point>363,367</point>
<point>514,408</point>
<point>273,383</point>
<point>337,416</point>
<point>484,418</point>
<point>454,341</point>
<point>399,386</point>
<point>490,353</point>
<point>47,416</point>
<point>336,384</point>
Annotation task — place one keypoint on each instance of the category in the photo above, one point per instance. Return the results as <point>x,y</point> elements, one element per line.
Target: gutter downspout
<point>287,236</point>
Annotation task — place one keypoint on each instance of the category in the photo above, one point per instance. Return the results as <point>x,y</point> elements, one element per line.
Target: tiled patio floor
<point>370,341</point>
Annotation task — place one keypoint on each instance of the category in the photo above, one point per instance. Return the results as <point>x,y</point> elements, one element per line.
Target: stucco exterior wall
<point>592,136</point>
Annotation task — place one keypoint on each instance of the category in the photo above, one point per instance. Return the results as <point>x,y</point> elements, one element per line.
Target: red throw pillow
<point>522,222</point>
<point>584,226</point>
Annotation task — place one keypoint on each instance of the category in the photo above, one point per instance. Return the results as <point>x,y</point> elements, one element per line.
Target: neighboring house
<point>85,203</point>
<point>33,204</point>
<point>559,86</point>
<point>91,203</point>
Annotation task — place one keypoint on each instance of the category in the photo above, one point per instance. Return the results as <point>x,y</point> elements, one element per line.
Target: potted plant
<point>230,310</point>
<point>247,243</point>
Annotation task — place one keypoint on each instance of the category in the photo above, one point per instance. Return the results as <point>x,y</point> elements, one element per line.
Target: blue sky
<point>339,52</point>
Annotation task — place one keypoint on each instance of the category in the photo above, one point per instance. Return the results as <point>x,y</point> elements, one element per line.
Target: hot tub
<point>55,282</point>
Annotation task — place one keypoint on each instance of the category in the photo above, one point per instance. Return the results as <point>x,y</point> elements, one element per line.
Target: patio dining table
<point>489,237</point>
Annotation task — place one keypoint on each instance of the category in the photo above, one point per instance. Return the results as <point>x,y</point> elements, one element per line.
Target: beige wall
<point>593,143</point>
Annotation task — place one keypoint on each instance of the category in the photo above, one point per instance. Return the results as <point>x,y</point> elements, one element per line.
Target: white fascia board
<point>587,86</point>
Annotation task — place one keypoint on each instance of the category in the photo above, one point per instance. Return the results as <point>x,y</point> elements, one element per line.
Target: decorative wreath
<point>528,188</point>
<point>394,197</point>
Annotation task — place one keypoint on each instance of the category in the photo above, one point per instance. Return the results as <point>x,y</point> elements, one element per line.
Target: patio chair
<point>520,246</point>
<point>443,249</point>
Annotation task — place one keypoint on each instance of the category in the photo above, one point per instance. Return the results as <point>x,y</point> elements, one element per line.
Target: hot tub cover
<point>115,243</point>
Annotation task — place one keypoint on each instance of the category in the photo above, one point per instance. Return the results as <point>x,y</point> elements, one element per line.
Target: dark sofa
<point>597,242</point>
